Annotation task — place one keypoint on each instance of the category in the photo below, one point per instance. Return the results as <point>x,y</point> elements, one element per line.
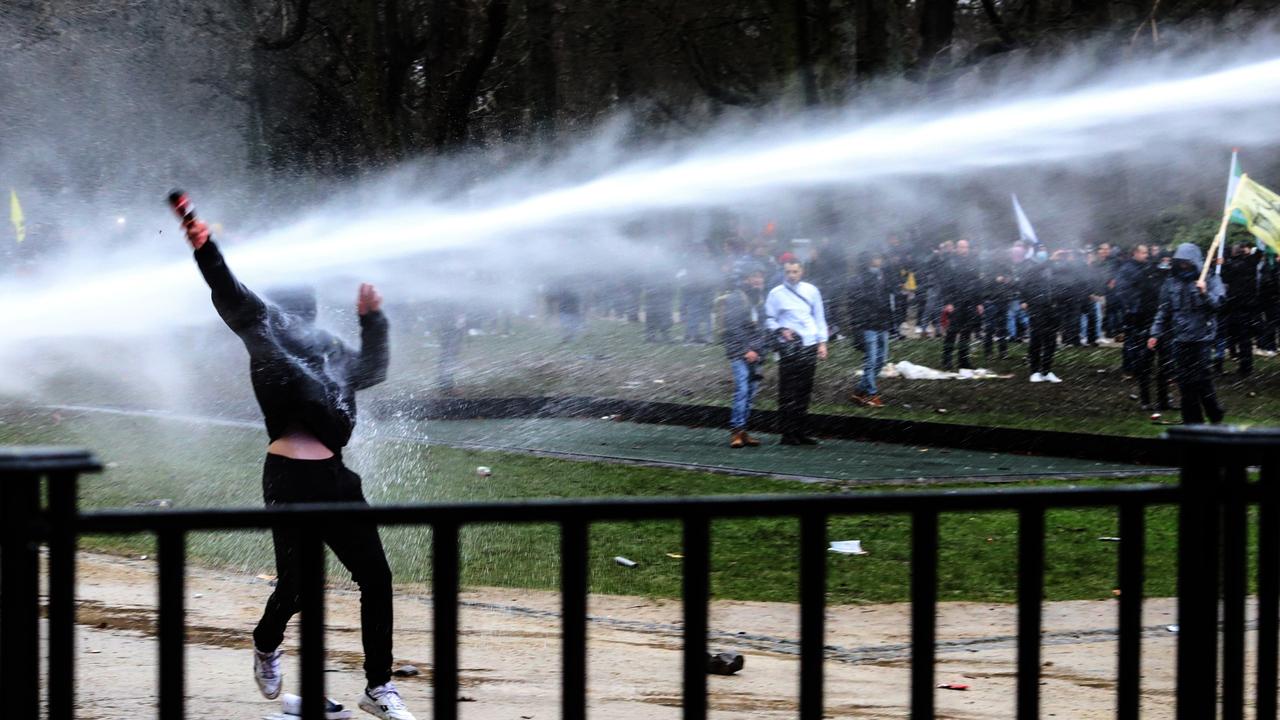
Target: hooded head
<point>296,300</point>
<point>1187,260</point>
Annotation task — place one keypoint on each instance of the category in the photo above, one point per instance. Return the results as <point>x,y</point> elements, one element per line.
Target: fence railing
<point>1214,497</point>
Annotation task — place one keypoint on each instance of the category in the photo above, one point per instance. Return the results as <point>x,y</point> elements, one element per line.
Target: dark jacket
<point>1041,288</point>
<point>1240,275</point>
<point>300,374</point>
<point>743,324</point>
<point>1137,292</point>
<point>961,282</point>
<point>870,300</point>
<point>1183,311</point>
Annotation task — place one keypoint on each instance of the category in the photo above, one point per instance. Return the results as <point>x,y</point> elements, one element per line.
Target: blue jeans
<point>1016,320</point>
<point>876,346</point>
<point>744,391</point>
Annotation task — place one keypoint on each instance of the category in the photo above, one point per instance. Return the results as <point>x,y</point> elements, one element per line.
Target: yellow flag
<point>1261,210</point>
<point>15,216</point>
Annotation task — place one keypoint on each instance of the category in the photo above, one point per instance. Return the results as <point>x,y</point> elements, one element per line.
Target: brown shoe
<point>750,441</point>
<point>738,439</point>
<point>875,401</point>
<point>858,399</point>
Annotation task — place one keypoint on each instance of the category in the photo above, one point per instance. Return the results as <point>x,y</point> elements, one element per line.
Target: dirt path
<point>510,653</point>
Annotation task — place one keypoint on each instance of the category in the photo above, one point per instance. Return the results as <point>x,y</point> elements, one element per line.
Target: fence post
<point>22,527</point>
<point>1213,460</point>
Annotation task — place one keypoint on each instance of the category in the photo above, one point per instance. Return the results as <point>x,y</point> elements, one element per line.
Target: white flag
<point>1025,232</point>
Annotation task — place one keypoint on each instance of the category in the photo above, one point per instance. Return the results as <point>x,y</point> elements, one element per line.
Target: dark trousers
<point>357,547</point>
<point>995,328</point>
<point>1241,326</point>
<point>964,321</point>
<point>795,386</point>
<point>1269,326</point>
<point>1138,361</point>
<point>1193,363</point>
<point>1044,340</point>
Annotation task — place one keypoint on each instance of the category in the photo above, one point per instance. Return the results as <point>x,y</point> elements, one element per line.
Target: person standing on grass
<point>1044,298</point>
<point>745,343</point>
<point>305,381</point>
<point>871,315</point>
<point>962,298</point>
<point>1188,310</point>
<point>1137,294</point>
<point>1240,274</point>
<point>793,312</point>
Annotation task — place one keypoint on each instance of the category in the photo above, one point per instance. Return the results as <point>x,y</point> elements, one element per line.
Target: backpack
<point>718,311</point>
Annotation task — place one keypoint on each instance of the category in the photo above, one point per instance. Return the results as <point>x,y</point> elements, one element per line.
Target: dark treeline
<point>333,87</point>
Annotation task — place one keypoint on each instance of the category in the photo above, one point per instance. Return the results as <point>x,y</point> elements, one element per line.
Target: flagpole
<point>1219,239</point>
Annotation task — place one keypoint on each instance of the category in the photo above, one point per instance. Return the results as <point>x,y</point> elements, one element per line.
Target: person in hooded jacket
<point>305,381</point>
<point>1188,309</point>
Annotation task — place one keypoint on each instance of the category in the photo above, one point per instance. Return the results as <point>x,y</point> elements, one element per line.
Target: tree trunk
<point>937,25</point>
<point>871,46</point>
<point>804,53</point>
<point>543,72</point>
<point>461,95</point>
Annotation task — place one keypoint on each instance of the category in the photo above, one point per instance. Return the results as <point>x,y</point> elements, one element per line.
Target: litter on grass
<point>847,547</point>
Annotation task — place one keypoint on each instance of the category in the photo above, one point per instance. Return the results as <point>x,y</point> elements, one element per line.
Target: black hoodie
<point>300,373</point>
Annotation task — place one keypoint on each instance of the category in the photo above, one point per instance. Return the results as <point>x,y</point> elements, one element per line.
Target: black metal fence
<point>1214,499</point>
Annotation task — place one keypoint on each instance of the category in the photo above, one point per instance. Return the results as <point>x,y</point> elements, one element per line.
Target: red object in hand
<point>197,232</point>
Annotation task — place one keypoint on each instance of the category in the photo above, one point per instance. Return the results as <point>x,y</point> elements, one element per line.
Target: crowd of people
<point>760,298</point>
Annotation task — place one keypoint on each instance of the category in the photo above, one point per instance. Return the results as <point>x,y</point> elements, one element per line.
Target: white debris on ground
<point>910,371</point>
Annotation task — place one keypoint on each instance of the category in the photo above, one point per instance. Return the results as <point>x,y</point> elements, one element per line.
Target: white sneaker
<point>291,708</point>
<point>384,702</point>
<point>1037,377</point>
<point>1052,378</point>
<point>266,670</point>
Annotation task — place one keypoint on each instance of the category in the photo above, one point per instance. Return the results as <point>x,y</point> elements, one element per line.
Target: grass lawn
<point>611,360</point>
<point>753,559</point>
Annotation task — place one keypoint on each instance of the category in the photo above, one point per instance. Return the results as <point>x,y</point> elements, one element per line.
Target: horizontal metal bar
<point>559,510</point>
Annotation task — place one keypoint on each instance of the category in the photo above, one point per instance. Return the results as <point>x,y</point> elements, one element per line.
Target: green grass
<point>611,360</point>
<point>752,559</point>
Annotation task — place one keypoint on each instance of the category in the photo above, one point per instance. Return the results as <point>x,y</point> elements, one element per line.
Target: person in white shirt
<point>793,313</point>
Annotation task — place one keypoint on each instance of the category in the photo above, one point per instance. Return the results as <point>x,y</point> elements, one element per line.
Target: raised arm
<point>239,307</point>
<point>370,367</point>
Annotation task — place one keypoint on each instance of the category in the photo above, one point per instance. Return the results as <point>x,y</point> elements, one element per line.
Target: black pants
<point>1138,361</point>
<point>795,385</point>
<point>357,547</point>
<point>1193,362</point>
<point>1241,326</point>
<point>964,322</point>
<point>995,328</point>
<point>1044,340</point>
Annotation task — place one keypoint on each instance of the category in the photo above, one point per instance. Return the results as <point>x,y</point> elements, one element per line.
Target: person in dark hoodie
<point>1188,309</point>
<point>744,339</point>
<point>305,381</point>
<point>871,315</point>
